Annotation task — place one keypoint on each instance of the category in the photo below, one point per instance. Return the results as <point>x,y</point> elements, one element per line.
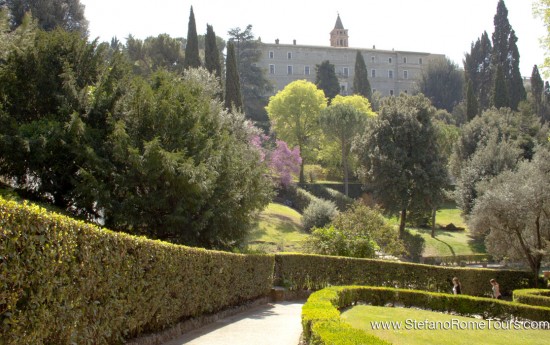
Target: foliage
<point>477,69</point>
<point>296,197</point>
<point>442,82</point>
<point>537,89</point>
<point>360,103</point>
<point>505,55</point>
<point>68,282</point>
<point>342,201</point>
<point>537,297</point>
<point>233,97</point>
<point>341,123</point>
<point>154,53</point>
<point>414,245</point>
<point>472,106</point>
<point>285,162</point>
<point>361,85</point>
<point>400,159</point>
<point>513,212</point>
<point>541,9</point>
<point>254,83</point>
<point>212,54</point>
<point>499,95</point>
<point>318,213</point>
<point>358,232</point>
<point>313,272</point>
<point>51,14</point>
<point>294,113</point>
<point>326,80</point>
<point>192,59</point>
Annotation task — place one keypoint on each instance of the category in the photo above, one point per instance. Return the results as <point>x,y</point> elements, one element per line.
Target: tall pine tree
<point>500,92</point>
<point>211,53</point>
<point>233,98</point>
<point>537,88</point>
<point>192,59</point>
<point>506,55</point>
<point>477,69</point>
<point>326,80</point>
<point>361,85</point>
<point>472,107</point>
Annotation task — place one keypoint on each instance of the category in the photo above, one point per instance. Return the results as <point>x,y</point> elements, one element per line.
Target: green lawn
<point>449,329</point>
<point>277,229</point>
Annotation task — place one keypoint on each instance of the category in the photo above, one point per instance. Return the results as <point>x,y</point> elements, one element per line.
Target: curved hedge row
<point>321,317</point>
<point>67,282</point>
<point>540,297</point>
<point>303,271</point>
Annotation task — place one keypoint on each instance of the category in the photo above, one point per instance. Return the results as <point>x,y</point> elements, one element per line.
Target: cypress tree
<point>472,107</point>
<point>192,59</point>
<point>233,98</point>
<point>211,53</point>
<point>500,91</point>
<point>361,85</point>
<point>537,88</point>
<point>326,80</point>
<point>477,68</point>
<point>506,55</point>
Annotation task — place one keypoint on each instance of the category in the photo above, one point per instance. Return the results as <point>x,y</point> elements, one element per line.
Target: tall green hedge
<point>68,282</point>
<point>303,271</point>
<point>321,316</point>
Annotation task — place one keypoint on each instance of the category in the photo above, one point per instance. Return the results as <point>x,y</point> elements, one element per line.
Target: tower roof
<point>338,24</point>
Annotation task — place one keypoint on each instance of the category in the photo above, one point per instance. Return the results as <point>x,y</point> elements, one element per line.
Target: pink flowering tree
<point>281,160</point>
<point>284,162</point>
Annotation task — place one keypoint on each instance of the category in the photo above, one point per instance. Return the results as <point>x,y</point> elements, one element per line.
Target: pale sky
<point>434,26</point>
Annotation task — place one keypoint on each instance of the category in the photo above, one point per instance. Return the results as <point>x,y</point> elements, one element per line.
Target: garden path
<point>268,324</point>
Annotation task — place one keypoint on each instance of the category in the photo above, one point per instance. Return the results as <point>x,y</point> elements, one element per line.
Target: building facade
<point>390,72</point>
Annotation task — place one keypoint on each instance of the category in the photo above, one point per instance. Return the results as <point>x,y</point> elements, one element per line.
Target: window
<point>271,69</point>
<point>343,89</point>
<point>289,70</point>
<point>405,74</point>
<point>289,55</point>
<point>373,59</point>
<point>306,70</point>
<point>406,91</point>
<point>373,73</point>
<point>420,61</point>
<point>271,55</point>
<point>404,59</point>
<point>373,90</point>
<point>345,71</point>
<point>389,60</point>
<point>391,92</point>
<point>390,74</point>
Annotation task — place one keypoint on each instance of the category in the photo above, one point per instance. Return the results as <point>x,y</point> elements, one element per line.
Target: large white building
<point>390,72</point>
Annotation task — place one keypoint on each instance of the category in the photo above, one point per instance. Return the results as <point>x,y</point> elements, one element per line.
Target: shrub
<point>314,172</point>
<point>68,282</point>
<point>540,297</point>
<point>295,197</point>
<point>414,245</point>
<point>342,201</point>
<point>335,241</point>
<point>319,213</point>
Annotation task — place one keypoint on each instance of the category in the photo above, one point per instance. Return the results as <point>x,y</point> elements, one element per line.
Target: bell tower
<point>339,35</point>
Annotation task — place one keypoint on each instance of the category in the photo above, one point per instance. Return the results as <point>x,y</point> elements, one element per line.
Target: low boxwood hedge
<point>68,282</point>
<point>314,272</point>
<point>321,317</point>
<point>540,297</point>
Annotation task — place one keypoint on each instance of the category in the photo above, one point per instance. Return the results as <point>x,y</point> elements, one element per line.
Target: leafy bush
<point>295,197</point>
<point>414,245</point>
<point>68,282</point>
<point>540,297</point>
<point>314,172</point>
<point>319,213</point>
<point>358,232</point>
<point>342,201</point>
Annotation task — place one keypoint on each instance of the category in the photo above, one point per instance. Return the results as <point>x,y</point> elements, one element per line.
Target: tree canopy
<point>361,84</point>
<point>294,112</point>
<point>192,59</point>
<point>442,82</point>
<point>326,80</point>
<point>400,159</point>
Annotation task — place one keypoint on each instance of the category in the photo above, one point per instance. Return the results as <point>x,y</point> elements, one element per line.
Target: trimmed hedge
<point>68,282</point>
<point>321,317</point>
<point>539,297</point>
<point>456,259</point>
<point>314,272</point>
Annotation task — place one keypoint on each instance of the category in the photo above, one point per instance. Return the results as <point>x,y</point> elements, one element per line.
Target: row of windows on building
<point>344,90</point>
<point>373,58</point>
<point>345,71</point>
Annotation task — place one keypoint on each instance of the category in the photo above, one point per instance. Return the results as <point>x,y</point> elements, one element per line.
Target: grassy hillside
<point>278,228</point>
